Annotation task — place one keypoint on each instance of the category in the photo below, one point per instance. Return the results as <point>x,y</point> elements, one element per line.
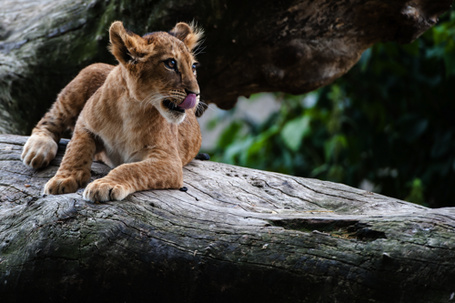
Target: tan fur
<point>122,118</point>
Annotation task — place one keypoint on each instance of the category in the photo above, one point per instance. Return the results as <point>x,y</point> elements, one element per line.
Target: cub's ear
<point>188,33</point>
<point>125,45</point>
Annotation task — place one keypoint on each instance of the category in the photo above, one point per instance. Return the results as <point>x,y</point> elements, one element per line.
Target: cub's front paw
<point>102,190</point>
<point>66,182</point>
<point>39,151</point>
<point>61,185</point>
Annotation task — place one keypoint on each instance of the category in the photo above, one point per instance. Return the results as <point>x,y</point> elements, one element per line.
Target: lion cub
<point>138,117</point>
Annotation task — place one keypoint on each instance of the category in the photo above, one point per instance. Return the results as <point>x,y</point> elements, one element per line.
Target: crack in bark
<point>300,198</point>
<point>342,228</point>
<point>202,234</point>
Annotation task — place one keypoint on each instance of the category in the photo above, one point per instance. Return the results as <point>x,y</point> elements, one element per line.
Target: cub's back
<point>73,97</point>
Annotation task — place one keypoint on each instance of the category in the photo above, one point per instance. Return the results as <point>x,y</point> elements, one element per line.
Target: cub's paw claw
<point>203,157</point>
<point>39,151</point>
<point>102,190</point>
<point>61,185</point>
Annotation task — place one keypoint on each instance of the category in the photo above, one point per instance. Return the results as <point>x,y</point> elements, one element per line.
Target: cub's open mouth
<point>172,106</point>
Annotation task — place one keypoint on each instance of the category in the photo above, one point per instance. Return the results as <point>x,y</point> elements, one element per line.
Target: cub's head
<point>159,68</point>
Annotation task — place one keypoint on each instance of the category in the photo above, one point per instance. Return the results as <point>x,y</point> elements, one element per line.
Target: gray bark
<point>236,235</point>
<point>292,46</point>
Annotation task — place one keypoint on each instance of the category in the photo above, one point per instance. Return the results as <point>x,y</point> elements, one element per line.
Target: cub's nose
<point>188,92</point>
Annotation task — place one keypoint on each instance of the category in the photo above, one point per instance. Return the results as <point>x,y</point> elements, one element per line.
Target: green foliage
<point>389,122</point>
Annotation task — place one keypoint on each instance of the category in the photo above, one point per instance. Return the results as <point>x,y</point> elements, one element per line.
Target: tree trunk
<point>251,46</point>
<point>236,235</point>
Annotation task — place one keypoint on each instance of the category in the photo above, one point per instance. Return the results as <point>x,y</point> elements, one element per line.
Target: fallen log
<point>236,235</point>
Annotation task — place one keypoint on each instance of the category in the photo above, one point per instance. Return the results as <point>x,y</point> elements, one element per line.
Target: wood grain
<point>236,235</point>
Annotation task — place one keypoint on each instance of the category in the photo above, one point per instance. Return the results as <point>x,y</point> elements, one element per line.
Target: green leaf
<point>416,195</point>
<point>261,140</point>
<point>230,134</point>
<point>294,131</point>
<point>334,146</point>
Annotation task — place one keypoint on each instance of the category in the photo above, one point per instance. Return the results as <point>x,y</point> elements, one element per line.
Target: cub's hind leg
<point>74,172</point>
<point>41,147</point>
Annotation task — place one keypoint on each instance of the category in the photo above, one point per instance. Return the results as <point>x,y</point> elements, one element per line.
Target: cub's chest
<point>131,145</point>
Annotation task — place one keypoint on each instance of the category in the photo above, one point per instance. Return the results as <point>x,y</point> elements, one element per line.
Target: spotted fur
<point>127,116</point>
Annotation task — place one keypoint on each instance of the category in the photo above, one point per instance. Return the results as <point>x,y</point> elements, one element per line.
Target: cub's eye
<point>171,64</point>
<point>194,66</point>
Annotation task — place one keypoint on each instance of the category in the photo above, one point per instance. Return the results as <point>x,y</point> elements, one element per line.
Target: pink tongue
<point>189,102</point>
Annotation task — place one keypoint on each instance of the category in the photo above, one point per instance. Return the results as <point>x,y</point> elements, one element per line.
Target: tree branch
<point>252,46</point>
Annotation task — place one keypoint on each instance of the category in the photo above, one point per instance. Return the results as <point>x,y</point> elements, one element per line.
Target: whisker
<point>199,50</point>
<point>201,108</point>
